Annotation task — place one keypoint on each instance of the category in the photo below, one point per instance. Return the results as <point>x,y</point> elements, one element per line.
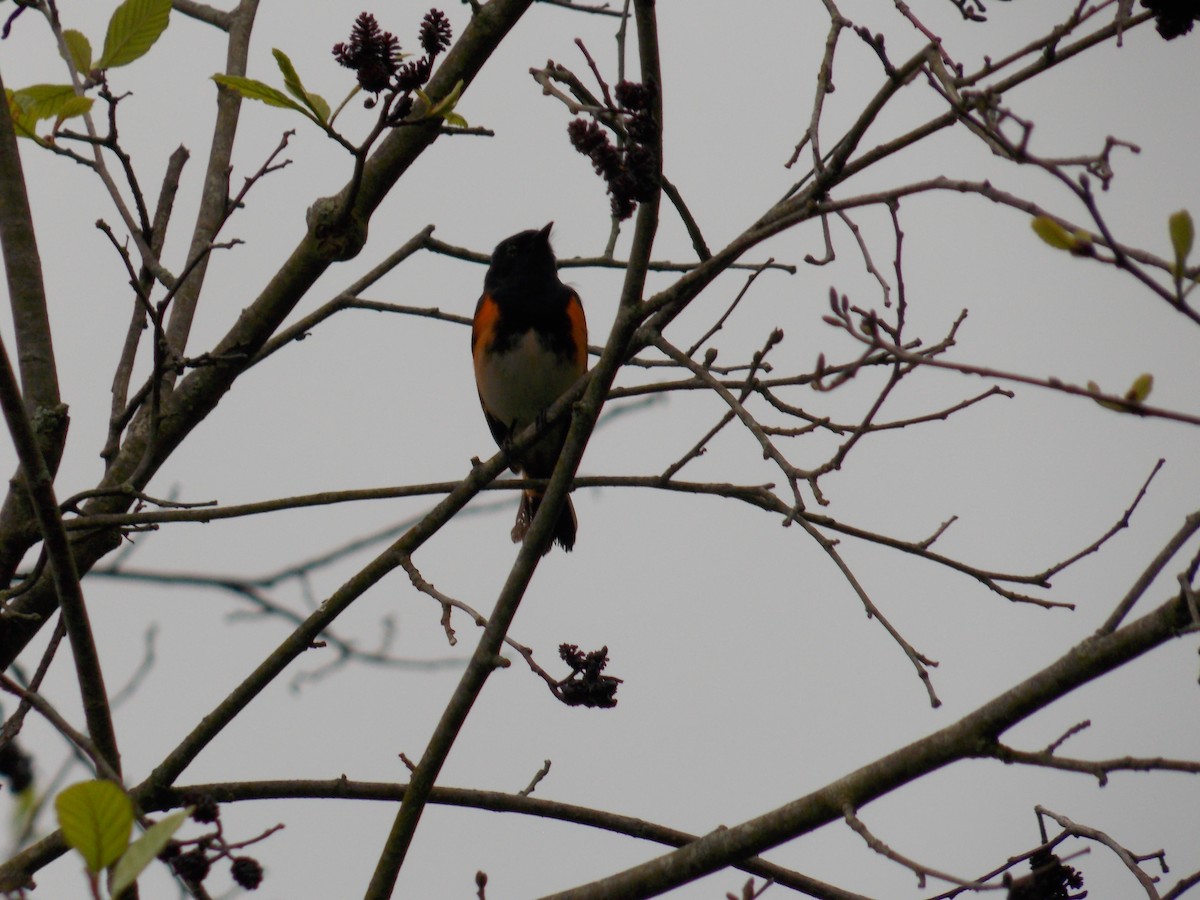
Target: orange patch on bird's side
<point>578,331</point>
<point>483,327</point>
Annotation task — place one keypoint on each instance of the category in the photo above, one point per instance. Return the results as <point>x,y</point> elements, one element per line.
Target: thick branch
<point>23,269</point>
<point>35,350</point>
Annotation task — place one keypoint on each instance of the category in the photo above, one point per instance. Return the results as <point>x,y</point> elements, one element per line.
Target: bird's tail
<point>564,530</point>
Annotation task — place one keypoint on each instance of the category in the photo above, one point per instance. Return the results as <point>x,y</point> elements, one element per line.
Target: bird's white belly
<point>520,383</point>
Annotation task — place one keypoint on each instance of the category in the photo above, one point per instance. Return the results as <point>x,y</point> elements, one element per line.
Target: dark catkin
<point>372,53</point>
<point>247,872</point>
<point>630,171</point>
<point>1173,18</point>
<point>435,32</point>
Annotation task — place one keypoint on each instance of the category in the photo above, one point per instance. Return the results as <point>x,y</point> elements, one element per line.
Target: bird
<point>529,345</point>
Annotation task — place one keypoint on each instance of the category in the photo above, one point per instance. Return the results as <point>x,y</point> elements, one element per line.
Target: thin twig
<point>1100,837</point>
<point>63,727</point>
<point>537,779</point>
<point>921,871</point>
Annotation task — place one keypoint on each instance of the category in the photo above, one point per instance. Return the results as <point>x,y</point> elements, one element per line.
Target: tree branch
<point>35,349</point>
<point>40,486</point>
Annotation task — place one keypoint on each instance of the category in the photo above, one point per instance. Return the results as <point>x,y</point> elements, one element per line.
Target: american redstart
<point>529,343</point>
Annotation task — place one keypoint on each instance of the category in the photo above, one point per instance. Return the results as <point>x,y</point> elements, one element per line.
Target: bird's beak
<point>545,232</point>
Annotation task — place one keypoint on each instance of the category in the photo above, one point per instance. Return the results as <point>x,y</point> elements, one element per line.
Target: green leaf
<point>1140,389</point>
<point>49,101</point>
<point>96,818</point>
<point>1183,234</point>
<point>134,27</point>
<point>23,123</point>
<point>291,80</point>
<point>1107,404</point>
<point>145,850</point>
<point>257,90</point>
<point>1137,393</point>
<point>76,106</point>
<point>446,105</point>
<point>21,120</point>
<point>80,49</point>
<point>319,105</point>
<point>455,119</point>
<point>1053,233</point>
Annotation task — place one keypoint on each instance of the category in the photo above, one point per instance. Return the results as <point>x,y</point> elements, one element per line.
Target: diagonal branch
<point>202,12</point>
<point>214,199</point>
<point>40,486</point>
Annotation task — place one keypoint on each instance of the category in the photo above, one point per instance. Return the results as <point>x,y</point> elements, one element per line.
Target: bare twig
<point>1100,769</point>
<point>1100,837</point>
<point>1190,526</point>
<point>12,725</point>
<point>98,758</point>
<point>537,779</point>
<point>921,871</point>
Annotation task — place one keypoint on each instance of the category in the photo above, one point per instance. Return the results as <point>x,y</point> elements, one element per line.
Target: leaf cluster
<point>96,818</point>
<point>135,27</point>
<point>375,56</point>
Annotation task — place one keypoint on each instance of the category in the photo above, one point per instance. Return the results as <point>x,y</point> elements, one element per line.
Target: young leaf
<point>49,101</point>
<point>1053,233</point>
<point>291,80</point>
<point>134,27</point>
<point>1140,389</point>
<point>76,106</point>
<point>80,49</point>
<point>23,123</point>
<point>1107,404</point>
<point>144,850</point>
<point>96,818</point>
<point>257,90</point>
<point>1183,233</point>
<point>1137,393</point>
<point>445,106</point>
